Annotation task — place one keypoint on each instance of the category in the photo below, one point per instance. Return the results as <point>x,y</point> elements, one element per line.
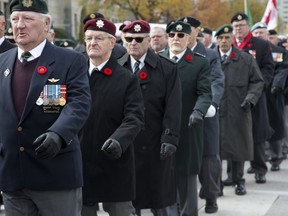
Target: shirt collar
<point>141,61</point>
<point>179,55</point>
<point>35,52</point>
<point>2,40</point>
<point>99,67</point>
<point>227,53</point>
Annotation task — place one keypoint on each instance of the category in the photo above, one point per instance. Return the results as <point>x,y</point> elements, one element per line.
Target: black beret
<point>206,30</point>
<point>67,43</point>
<point>137,26</point>
<point>179,26</point>
<point>94,15</point>
<point>239,17</point>
<point>224,29</point>
<point>100,25</point>
<point>191,20</point>
<point>272,32</point>
<point>38,6</point>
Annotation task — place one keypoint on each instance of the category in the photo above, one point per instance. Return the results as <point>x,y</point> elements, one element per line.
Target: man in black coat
<point>261,51</point>
<point>115,119</point>
<point>4,43</point>
<point>157,142</point>
<point>44,102</point>
<point>275,97</point>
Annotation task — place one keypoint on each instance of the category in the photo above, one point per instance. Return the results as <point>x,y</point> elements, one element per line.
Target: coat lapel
<point>39,80</point>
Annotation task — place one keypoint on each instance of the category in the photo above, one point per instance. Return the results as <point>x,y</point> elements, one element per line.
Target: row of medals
<point>56,96</point>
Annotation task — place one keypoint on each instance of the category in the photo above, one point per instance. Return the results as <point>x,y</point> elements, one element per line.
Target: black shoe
<point>228,182</point>
<point>240,189</point>
<point>1,199</point>
<point>260,178</point>
<point>250,170</point>
<point>211,206</point>
<point>220,193</point>
<point>275,167</point>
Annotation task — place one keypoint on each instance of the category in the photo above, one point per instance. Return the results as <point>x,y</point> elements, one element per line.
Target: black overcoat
<point>116,112</point>
<point>160,85</point>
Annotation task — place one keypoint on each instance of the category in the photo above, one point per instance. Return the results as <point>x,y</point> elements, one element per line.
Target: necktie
<point>136,66</point>
<point>25,56</point>
<point>224,57</point>
<point>175,58</point>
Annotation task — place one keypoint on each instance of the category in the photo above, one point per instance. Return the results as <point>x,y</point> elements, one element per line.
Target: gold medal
<point>62,101</point>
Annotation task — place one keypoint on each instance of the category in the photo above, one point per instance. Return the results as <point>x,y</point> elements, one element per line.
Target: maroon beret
<point>100,24</point>
<point>137,26</point>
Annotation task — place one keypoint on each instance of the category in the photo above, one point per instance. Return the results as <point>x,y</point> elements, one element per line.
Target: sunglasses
<point>179,35</point>
<point>137,39</point>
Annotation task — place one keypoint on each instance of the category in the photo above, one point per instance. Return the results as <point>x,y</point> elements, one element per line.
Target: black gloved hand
<point>276,90</point>
<point>195,118</point>
<point>246,106</point>
<point>49,144</point>
<point>167,150</point>
<point>112,149</point>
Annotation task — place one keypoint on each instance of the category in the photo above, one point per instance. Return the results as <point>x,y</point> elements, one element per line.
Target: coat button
<point>19,129</point>
<point>22,149</point>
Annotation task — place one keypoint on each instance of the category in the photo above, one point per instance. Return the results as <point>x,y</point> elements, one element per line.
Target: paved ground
<point>270,199</point>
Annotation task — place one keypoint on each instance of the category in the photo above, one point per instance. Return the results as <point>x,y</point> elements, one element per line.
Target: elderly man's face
<point>178,41</point>
<point>225,41</point>
<point>241,29</point>
<point>29,28</point>
<point>137,44</point>
<point>261,33</point>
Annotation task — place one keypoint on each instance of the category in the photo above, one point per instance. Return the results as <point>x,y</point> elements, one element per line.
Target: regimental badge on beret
<point>179,27</point>
<point>92,16</point>
<point>185,20</point>
<point>100,23</point>
<point>27,3</point>
<point>239,17</point>
<point>226,29</point>
<point>10,30</point>
<point>65,44</point>
<point>202,29</point>
<point>137,28</point>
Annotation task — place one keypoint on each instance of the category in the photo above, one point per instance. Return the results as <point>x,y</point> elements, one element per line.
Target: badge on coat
<point>253,53</point>
<point>277,57</point>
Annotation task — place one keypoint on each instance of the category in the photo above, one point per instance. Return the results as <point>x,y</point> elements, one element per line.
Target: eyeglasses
<point>137,39</point>
<point>239,26</point>
<point>96,39</point>
<point>179,35</point>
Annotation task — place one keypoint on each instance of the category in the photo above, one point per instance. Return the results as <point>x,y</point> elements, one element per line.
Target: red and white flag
<point>270,17</point>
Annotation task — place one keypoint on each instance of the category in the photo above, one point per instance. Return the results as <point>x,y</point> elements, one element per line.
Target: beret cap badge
<point>137,28</point>
<point>100,23</point>
<point>226,29</point>
<point>179,27</point>
<point>185,20</point>
<point>27,3</point>
<point>92,16</point>
<point>239,17</point>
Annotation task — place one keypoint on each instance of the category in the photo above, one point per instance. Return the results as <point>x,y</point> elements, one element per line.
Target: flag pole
<point>245,7</point>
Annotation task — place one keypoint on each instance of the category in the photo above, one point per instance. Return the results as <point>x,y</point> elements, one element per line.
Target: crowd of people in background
<point>134,121</point>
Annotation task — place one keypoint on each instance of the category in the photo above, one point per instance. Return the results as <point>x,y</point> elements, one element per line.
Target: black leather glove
<point>195,118</point>
<point>49,144</point>
<point>276,90</point>
<point>246,106</point>
<point>167,150</point>
<point>112,149</point>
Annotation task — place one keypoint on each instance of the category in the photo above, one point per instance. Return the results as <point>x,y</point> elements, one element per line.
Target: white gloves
<point>211,112</point>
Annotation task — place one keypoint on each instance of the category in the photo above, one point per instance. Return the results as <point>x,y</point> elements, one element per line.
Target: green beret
<point>239,17</point>
<point>179,26</point>
<point>39,6</point>
<point>223,30</point>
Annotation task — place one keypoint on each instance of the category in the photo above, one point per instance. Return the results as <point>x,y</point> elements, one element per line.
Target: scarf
<point>244,42</point>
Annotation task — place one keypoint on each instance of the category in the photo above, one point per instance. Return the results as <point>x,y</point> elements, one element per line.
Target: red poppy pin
<point>189,57</point>
<point>107,71</point>
<point>233,54</point>
<point>41,70</point>
<point>249,45</point>
<point>143,75</point>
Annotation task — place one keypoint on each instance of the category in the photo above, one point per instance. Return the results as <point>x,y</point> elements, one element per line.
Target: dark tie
<point>136,66</point>
<point>224,57</point>
<point>175,58</point>
<point>25,56</point>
